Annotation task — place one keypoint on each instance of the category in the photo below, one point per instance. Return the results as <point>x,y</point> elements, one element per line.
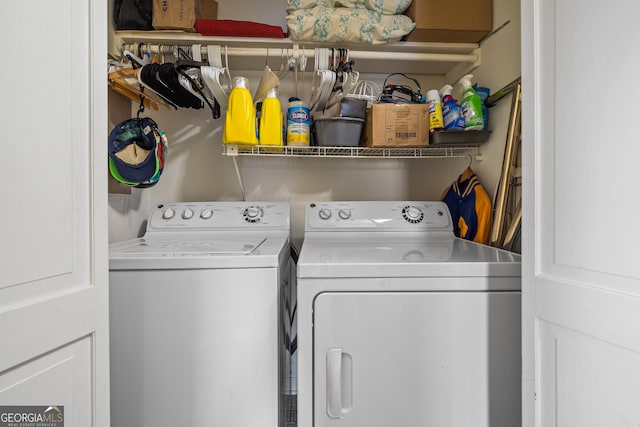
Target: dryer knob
<point>206,214</point>
<point>324,213</point>
<point>187,214</point>
<point>344,214</point>
<point>168,214</point>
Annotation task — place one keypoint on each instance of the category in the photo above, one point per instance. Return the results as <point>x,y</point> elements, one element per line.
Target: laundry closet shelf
<point>351,152</point>
<point>249,53</point>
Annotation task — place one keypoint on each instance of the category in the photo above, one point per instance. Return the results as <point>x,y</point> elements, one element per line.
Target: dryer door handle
<point>339,383</point>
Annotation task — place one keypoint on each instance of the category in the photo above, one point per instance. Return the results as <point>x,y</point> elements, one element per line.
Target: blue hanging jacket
<point>470,207</point>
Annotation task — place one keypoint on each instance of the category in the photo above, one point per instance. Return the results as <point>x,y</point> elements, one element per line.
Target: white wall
<point>266,11</point>
<point>500,66</point>
<point>196,170</point>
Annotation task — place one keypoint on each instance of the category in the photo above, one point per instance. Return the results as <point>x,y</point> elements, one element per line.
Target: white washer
<point>402,324</point>
<point>197,323</point>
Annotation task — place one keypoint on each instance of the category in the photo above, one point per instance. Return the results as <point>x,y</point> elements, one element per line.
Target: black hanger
<point>215,108</point>
<point>163,79</point>
<point>188,63</point>
<point>185,61</point>
<point>149,76</point>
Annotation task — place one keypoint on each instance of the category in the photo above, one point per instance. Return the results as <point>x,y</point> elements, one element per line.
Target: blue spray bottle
<point>451,111</point>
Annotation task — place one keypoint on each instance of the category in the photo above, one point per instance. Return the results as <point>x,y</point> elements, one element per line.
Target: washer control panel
<point>378,215</point>
<point>219,216</point>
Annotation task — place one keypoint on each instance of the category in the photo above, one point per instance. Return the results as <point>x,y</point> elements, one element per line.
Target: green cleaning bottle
<point>240,122</point>
<point>471,105</point>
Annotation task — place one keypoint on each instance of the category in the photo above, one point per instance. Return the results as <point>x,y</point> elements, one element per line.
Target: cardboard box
<point>397,125</point>
<point>206,9</point>
<point>182,14</point>
<point>451,21</point>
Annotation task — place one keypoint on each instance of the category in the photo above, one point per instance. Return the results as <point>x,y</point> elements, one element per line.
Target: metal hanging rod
<point>164,49</point>
<point>263,52</point>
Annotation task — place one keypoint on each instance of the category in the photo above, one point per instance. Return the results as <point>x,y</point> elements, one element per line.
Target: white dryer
<point>402,324</point>
<point>197,323</point>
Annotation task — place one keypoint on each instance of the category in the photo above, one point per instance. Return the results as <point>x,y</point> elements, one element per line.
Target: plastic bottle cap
<point>272,93</point>
<point>241,82</point>
<point>465,81</point>
<point>432,95</point>
<point>446,90</point>
<point>297,103</point>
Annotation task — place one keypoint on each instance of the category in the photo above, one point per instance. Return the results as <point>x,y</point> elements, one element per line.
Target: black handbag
<point>133,14</point>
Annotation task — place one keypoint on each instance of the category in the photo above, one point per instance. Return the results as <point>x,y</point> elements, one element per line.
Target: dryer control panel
<point>392,216</point>
<point>213,216</point>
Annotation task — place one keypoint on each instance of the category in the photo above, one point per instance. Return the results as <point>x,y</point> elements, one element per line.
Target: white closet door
<point>581,262</point>
<point>53,235</point>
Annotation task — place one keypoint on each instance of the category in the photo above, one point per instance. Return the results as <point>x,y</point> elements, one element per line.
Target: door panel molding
<point>584,375</point>
<point>56,373</point>
<point>594,312</point>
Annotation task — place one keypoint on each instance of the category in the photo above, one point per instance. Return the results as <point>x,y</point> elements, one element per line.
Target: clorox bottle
<point>240,122</point>
<point>271,120</point>
<point>298,123</point>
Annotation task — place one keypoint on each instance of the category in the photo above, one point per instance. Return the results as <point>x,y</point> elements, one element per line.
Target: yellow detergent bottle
<point>240,122</point>
<point>271,120</point>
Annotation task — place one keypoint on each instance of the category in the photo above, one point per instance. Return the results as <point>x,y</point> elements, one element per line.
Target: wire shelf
<point>351,152</point>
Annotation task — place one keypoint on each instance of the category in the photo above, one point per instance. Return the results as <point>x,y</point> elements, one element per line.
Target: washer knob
<point>187,213</point>
<point>168,214</point>
<point>344,214</point>
<point>253,214</point>
<point>324,213</point>
<point>412,214</point>
<point>206,214</point>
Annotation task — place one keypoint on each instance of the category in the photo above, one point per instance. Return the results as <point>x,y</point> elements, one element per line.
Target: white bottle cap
<point>465,81</point>
<point>446,90</point>
<point>241,82</point>
<point>432,95</point>
<point>272,93</point>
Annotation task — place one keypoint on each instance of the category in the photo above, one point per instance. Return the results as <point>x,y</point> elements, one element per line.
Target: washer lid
<point>401,255</point>
<point>197,250</point>
<point>186,246</point>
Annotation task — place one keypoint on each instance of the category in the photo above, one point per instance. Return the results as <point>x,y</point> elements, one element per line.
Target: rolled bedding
<point>346,25</point>
<point>386,7</point>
